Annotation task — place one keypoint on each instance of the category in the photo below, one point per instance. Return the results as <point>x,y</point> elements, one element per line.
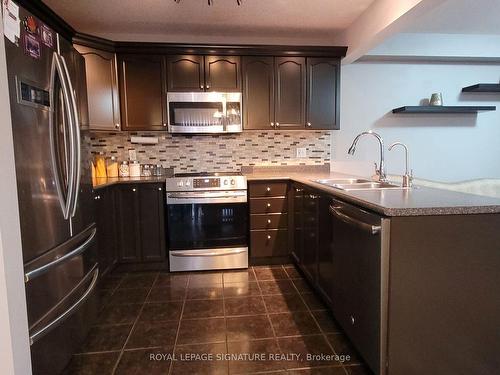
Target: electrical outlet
<point>301,152</point>
<point>132,155</point>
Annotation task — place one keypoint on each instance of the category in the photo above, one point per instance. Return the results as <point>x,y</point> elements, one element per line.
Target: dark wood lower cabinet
<point>106,229</point>
<point>131,225</point>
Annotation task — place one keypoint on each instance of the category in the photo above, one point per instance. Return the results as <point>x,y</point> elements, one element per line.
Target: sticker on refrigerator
<point>11,24</point>
<point>47,36</point>
<point>32,46</point>
<point>30,25</point>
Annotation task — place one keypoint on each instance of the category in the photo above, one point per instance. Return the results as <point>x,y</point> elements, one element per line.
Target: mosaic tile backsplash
<point>227,152</point>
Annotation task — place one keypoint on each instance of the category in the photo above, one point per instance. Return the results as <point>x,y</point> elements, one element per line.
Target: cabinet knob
<point>272,124</point>
<point>309,124</point>
<point>298,190</point>
<point>208,86</point>
<point>269,221</point>
<point>117,126</point>
<point>268,188</point>
<point>134,189</point>
<point>352,320</point>
<point>164,124</point>
<point>159,189</point>
<point>268,236</point>
<point>268,205</point>
<point>277,124</point>
<point>201,87</point>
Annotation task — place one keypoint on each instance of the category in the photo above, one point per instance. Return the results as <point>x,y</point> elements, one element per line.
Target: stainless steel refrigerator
<point>51,144</point>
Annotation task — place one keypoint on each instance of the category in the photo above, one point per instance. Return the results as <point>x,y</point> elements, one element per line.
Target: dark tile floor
<point>260,320</point>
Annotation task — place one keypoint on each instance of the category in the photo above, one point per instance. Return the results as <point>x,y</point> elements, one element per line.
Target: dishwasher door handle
<point>373,229</point>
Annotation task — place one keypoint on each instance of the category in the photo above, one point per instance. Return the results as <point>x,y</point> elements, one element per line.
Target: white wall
<point>14,346</point>
<point>442,147</point>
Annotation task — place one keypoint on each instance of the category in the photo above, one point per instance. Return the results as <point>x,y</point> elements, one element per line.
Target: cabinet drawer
<point>267,189</point>
<point>268,243</point>
<point>268,205</point>
<point>270,221</point>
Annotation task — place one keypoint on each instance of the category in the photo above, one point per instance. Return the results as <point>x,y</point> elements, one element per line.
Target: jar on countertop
<point>135,168</point>
<point>146,170</point>
<point>112,167</point>
<point>124,170</point>
<point>100,165</point>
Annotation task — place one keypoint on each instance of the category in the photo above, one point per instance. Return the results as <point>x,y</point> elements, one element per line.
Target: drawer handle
<point>269,221</point>
<point>269,205</point>
<point>268,236</point>
<point>268,189</point>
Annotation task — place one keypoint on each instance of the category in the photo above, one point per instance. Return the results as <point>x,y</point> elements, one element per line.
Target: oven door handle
<point>176,198</point>
<point>209,253</point>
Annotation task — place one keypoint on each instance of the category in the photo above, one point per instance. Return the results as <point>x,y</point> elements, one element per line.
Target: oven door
<point>207,220</point>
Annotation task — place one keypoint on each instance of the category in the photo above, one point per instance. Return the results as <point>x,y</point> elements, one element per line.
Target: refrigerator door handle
<point>57,70</point>
<point>54,323</point>
<point>76,161</point>
<point>80,249</point>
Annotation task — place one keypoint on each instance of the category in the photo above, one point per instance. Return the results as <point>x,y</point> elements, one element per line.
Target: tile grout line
<point>171,367</point>
<point>115,367</point>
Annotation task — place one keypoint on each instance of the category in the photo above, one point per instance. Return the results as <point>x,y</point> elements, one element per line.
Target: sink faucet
<point>408,176</point>
<point>380,171</point>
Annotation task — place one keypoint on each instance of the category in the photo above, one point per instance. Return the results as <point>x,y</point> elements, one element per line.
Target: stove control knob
<point>225,182</point>
<point>232,181</point>
<point>180,184</point>
<point>188,183</point>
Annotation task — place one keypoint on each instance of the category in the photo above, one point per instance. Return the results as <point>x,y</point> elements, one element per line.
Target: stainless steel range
<point>207,221</point>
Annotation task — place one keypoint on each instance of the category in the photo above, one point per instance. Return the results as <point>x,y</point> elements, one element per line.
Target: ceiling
<point>460,17</point>
<point>193,21</point>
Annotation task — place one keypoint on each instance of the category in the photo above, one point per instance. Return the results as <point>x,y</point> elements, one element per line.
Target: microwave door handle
<point>76,162</point>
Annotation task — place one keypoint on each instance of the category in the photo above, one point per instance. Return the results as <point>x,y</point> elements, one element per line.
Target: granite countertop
<point>102,182</point>
<point>417,201</point>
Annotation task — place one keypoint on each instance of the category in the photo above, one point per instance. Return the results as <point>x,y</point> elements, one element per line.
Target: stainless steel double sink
<point>350,184</point>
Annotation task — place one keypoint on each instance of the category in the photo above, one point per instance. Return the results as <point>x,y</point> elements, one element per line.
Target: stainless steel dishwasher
<point>359,249</point>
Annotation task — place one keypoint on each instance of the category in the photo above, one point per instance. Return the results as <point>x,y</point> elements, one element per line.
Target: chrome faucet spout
<point>381,173</point>
<point>408,176</point>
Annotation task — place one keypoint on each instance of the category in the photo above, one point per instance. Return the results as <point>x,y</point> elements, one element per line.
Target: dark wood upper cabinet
<point>258,92</point>
<point>142,92</point>
<point>102,89</point>
<point>222,73</point>
<point>185,73</point>
<point>323,93</point>
<point>290,92</point>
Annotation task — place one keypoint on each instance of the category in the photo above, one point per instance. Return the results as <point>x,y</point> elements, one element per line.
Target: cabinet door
<point>222,73</point>
<point>325,249</point>
<point>142,92</point>
<point>102,89</point>
<point>298,228</point>
<point>258,92</point>
<point>106,228</point>
<point>310,223</point>
<point>185,73</point>
<point>127,219</point>
<point>323,93</point>
<point>152,222</point>
<point>77,73</point>
<point>290,92</point>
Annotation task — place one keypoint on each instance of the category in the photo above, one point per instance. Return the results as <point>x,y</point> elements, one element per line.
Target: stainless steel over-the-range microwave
<point>204,112</point>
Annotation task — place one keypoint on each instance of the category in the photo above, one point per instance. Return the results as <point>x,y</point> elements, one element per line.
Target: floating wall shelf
<point>483,87</point>
<point>442,109</point>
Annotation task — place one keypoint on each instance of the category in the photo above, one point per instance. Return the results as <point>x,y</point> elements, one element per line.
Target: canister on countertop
<point>112,167</point>
<point>158,170</point>
<point>100,165</point>
<point>135,168</point>
<point>124,169</point>
<point>146,170</point>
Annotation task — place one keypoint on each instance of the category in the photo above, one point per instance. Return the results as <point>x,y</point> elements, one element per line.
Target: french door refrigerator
<point>51,145</point>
